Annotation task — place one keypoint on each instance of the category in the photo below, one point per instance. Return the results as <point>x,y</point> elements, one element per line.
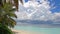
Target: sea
<point>44,28</point>
<point>38,29</point>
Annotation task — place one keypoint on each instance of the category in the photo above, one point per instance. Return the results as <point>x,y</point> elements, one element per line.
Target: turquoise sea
<point>38,29</point>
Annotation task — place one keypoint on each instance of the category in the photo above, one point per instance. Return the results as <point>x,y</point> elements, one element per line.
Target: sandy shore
<point>26,32</point>
<point>20,32</point>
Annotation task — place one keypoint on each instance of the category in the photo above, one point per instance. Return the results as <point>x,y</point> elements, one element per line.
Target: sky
<point>43,10</point>
<point>55,3</point>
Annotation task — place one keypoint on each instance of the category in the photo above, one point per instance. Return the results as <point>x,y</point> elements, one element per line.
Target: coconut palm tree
<point>7,13</point>
<point>6,18</point>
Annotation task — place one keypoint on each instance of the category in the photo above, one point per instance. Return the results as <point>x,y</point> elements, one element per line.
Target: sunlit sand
<point>25,32</point>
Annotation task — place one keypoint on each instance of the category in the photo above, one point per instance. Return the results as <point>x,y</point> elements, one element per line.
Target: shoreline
<point>25,32</point>
<point>20,32</point>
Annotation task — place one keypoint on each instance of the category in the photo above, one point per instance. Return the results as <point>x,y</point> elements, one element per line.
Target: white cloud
<point>34,10</point>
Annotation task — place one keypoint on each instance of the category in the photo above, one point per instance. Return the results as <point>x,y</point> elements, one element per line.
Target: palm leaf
<point>16,3</point>
<point>12,15</point>
<point>5,30</point>
<point>10,22</point>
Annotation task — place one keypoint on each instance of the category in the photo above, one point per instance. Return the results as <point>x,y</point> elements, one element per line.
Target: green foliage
<point>7,13</point>
<point>5,30</point>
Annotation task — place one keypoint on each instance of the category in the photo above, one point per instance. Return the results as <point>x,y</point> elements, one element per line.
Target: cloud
<point>37,11</point>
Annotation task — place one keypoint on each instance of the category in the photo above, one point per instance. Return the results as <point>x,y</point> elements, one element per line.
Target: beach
<point>20,32</point>
<point>35,30</point>
<point>25,32</point>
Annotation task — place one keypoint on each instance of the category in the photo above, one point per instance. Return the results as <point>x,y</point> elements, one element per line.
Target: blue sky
<point>56,5</point>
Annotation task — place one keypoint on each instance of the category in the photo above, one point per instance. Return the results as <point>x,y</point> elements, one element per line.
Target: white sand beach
<point>26,32</point>
<point>20,32</point>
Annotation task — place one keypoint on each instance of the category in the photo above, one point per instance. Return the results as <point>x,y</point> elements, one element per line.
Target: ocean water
<point>38,29</point>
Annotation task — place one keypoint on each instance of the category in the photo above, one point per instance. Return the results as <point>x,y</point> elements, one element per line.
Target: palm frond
<point>10,22</point>
<point>21,1</point>
<point>16,3</point>
<point>12,15</point>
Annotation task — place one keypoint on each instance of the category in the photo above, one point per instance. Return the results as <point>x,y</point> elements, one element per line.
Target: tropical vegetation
<point>7,13</point>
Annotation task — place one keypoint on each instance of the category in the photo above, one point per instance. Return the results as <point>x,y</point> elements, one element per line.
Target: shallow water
<point>38,29</point>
